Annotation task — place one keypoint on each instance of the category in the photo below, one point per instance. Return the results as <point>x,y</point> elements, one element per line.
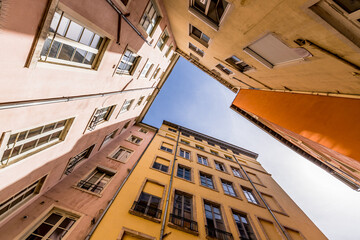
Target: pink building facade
<point>76,78</point>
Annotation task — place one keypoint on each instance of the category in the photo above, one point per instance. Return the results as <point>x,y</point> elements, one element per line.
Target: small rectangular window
<point>214,152</point>
<point>199,36</point>
<point>196,50</point>
<point>199,147</point>
<point>224,69</point>
<point>211,144</point>
<point>172,130</point>
<point>206,180</point>
<point>228,157</point>
<point>122,154</point>
<point>184,172</point>
<point>220,166</point>
<point>126,106</point>
<point>167,147</point>
<point>162,40</point>
<point>243,225</point>
<point>150,18</point>
<point>55,225</point>
<point>77,159</point>
<point>97,180</point>
<point>185,134</point>
<point>184,142</point>
<point>128,63</point>
<point>140,100</point>
<point>168,51</point>
<point>185,154</point>
<point>147,69</point>
<point>203,160</point>
<point>198,139</point>
<point>161,164</point>
<point>134,139</point>
<point>237,172</point>
<point>249,195</point>
<point>228,188</point>
<point>101,115</point>
<point>108,138</point>
<point>143,130</point>
<point>238,64</point>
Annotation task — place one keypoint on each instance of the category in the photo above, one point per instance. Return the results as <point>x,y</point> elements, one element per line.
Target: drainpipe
<point>35,102</point>
<point>262,199</point>
<point>126,20</point>
<point>117,191</point>
<point>169,190</point>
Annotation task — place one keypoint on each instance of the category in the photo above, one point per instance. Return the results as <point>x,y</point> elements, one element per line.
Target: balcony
<point>184,222</point>
<point>218,234</point>
<point>141,208</point>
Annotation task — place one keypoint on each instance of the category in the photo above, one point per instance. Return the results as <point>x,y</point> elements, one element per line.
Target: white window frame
<point>132,65</point>
<point>152,22</point>
<point>123,157</point>
<point>147,69</point>
<point>93,123</point>
<point>186,154</point>
<point>126,106</point>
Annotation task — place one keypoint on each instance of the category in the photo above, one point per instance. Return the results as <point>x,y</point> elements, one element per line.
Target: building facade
<point>188,185</point>
<point>298,47</point>
<point>74,75</point>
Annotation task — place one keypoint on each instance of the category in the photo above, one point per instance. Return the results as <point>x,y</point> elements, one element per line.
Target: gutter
<point>267,206</point>
<point>117,191</point>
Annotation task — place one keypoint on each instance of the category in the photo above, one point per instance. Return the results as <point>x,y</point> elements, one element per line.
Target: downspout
<point>117,191</point>
<point>262,199</point>
<point>169,190</point>
<point>28,103</point>
<point>126,20</point>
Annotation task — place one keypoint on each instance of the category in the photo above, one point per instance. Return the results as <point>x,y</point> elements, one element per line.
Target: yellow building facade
<point>188,185</point>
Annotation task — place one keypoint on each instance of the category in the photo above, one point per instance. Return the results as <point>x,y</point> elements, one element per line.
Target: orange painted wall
<point>331,121</point>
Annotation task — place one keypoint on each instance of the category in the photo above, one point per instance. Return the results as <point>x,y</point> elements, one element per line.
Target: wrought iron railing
<point>89,186</point>
<point>184,222</point>
<point>218,234</point>
<point>145,209</point>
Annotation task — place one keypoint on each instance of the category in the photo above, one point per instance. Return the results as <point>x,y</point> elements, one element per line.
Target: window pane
<point>34,132</point>
<point>96,41</point>
<point>43,229</point>
<point>53,218</point>
<point>349,6</point>
<point>57,234</point>
<point>46,47</point>
<point>89,58</point>
<point>54,22</point>
<point>54,49</point>
<point>28,146</point>
<point>74,31</point>
<point>63,26</point>
<point>66,52</point>
<point>79,55</point>
<point>86,37</point>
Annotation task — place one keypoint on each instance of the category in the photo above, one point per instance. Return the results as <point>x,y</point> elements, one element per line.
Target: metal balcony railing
<point>184,222</point>
<point>145,209</point>
<point>89,186</point>
<point>218,234</point>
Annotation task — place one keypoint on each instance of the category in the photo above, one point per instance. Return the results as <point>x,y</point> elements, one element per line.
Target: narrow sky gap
<point>194,100</point>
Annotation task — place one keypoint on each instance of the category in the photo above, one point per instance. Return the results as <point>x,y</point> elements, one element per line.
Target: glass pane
<point>66,52</point>
<point>6,154</point>
<point>54,49</point>
<point>12,138</point>
<point>55,135</point>
<point>196,32</point>
<point>54,22</point>
<point>28,146</point>
<point>34,132</point>
<point>63,26</point>
<point>67,223</point>
<point>205,38</point>
<point>349,6</point>
<point>32,237</point>
<point>46,47</point>
<point>49,127</point>
<point>61,124</point>
<point>43,140</point>
<point>43,229</point>
<point>79,55</point>
<point>96,42</point>
<point>74,31</point>
<point>86,37</point>
<point>16,151</point>
<point>53,218</point>
<point>58,234</point>
<point>89,58</point>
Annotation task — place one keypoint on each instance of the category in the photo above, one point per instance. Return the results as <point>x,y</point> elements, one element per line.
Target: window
<point>223,148</point>
<point>199,147</point>
<point>215,226</point>
<point>126,106</point>
<point>150,18</point>
<point>140,100</point>
<point>211,144</point>
<point>161,164</point>
<point>210,10</point>
<point>108,138</point>
<point>228,157</point>
<point>168,51</point>
<point>194,57</point>
<point>199,36</point>
<point>238,64</point>
<point>196,50</point>
<point>143,130</point>
<point>220,166</point>
<point>134,139</point>
<point>128,63</point>
<point>21,197</point>
<point>224,69</point>
<point>122,154</point>
<point>148,205</point>
<point>203,160</point>
<point>170,136</point>
<point>156,72</point>
<point>243,225</point>
<point>198,139</point>
<point>77,159</point>
<point>54,226</point>
<point>166,147</point>
<point>97,180</point>
<point>185,134</point>
<point>214,153</point>
<point>206,180</point>
<point>162,40</point>
<point>101,115</point>
<point>250,196</point>
<point>184,142</point>
<point>184,172</point>
<point>182,211</point>
<point>70,43</point>
<point>172,130</point>
<point>146,70</point>
<point>25,143</point>
<point>185,154</point>
<point>270,51</point>
<point>237,172</point>
<point>228,188</point>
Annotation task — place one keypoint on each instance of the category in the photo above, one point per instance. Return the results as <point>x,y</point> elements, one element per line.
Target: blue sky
<point>194,100</point>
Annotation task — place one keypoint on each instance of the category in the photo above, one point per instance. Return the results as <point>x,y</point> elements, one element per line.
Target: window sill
<point>64,67</point>
<point>117,160</point>
<point>236,197</point>
<point>189,181</point>
<point>137,144</point>
<point>183,229</point>
<point>214,189</point>
<point>204,165</point>
<point>203,18</point>
<point>157,220</point>
<point>256,204</point>
<point>89,192</point>
<point>222,171</point>
<point>184,158</point>
<point>205,44</point>
<point>167,173</point>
